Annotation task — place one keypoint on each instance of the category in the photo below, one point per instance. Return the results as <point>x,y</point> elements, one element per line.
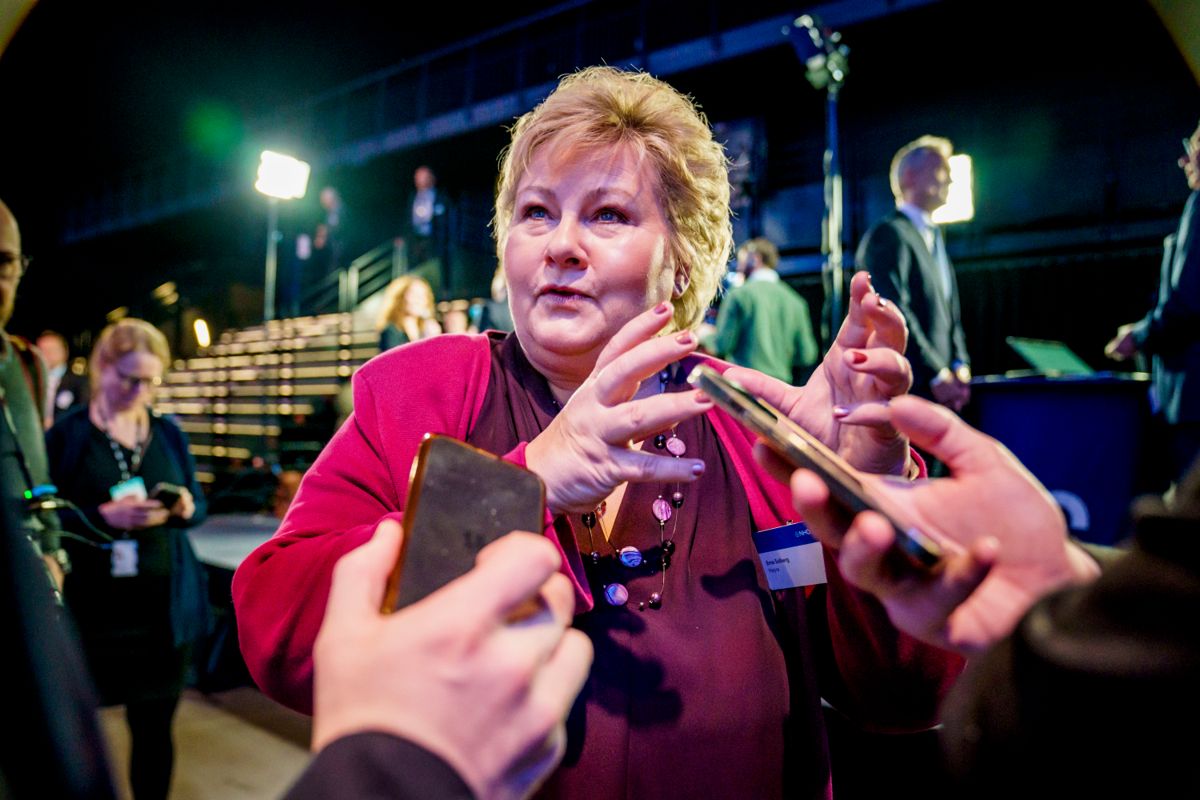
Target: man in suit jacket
<point>65,389</point>
<point>426,231</point>
<point>1170,332</point>
<point>906,256</point>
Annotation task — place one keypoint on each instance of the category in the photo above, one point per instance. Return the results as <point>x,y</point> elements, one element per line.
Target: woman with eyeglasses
<point>139,601</point>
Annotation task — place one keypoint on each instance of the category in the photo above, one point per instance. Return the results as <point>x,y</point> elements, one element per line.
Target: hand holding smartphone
<point>460,499</point>
<point>167,493</point>
<point>801,449</point>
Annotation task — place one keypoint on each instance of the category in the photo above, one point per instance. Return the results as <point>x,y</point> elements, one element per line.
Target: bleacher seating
<point>268,390</point>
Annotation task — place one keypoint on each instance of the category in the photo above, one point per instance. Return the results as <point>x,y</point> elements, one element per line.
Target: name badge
<point>790,556</point>
<point>135,487</point>
<point>125,558</point>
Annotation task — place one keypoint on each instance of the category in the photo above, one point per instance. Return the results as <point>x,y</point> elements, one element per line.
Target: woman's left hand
<point>843,402</point>
<point>185,506</point>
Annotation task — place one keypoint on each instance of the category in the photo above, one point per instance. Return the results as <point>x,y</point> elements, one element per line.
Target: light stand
<point>826,62</point>
<point>280,177</point>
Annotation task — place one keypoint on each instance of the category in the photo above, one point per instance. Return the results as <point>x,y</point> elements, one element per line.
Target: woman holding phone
<point>140,601</point>
<point>612,226</point>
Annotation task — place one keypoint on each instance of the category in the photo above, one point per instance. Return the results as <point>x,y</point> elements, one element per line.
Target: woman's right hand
<point>588,449</point>
<point>128,514</point>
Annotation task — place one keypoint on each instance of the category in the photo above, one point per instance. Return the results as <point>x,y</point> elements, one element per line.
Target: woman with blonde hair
<point>408,313</point>
<point>140,601</point>
<point>612,225</point>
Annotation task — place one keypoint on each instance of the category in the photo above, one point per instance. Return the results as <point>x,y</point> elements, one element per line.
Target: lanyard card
<point>124,562</point>
<point>135,487</point>
<point>790,556</point>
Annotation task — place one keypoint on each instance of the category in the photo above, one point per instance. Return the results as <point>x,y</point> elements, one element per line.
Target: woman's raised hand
<point>588,450</point>
<point>843,402</point>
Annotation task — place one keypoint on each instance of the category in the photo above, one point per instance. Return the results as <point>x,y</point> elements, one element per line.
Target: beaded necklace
<point>616,593</point>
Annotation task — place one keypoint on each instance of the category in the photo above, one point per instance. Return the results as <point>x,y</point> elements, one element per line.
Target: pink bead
<point>675,446</point>
<point>662,510</point>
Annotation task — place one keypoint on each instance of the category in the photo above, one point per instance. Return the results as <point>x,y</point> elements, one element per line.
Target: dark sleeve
<point>378,765</point>
<point>1174,323</point>
<point>960,338</point>
<point>64,446</point>
<point>180,450</point>
<point>890,262</point>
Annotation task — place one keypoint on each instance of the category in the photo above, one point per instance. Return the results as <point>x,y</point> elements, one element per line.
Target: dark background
<point>1073,114</point>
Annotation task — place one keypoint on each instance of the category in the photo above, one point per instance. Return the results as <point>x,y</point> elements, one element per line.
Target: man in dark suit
<point>426,231</point>
<point>65,388</point>
<point>906,256</point>
<point>1170,332</point>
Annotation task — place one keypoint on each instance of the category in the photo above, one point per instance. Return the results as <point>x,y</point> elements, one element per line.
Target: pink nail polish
<point>662,308</point>
<point>840,411</point>
<point>857,357</point>
<point>698,468</point>
<point>685,337</point>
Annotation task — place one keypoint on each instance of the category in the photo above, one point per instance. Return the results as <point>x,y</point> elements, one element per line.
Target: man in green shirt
<point>764,324</point>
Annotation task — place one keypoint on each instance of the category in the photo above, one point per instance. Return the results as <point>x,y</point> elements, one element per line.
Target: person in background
<point>22,399</point>
<point>426,230</point>
<point>764,324</point>
<point>140,602</point>
<point>407,314</point>
<point>454,315</point>
<point>493,314</point>
<point>1170,332</point>
<point>905,252</point>
<point>65,388</point>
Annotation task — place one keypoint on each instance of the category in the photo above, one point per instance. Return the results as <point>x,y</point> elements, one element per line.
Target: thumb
<point>360,576</point>
<point>941,432</point>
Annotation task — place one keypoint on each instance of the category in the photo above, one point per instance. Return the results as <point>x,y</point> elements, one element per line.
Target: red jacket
<point>438,385</point>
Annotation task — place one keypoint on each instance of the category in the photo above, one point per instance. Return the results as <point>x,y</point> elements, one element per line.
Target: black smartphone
<point>802,449</point>
<point>460,499</point>
<point>166,493</point>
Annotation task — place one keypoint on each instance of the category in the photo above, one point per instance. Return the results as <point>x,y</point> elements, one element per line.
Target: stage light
<point>960,204</point>
<point>280,177</point>
<point>203,337</point>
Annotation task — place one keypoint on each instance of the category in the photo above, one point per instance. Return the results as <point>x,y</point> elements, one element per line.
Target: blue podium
<point>1081,435</point>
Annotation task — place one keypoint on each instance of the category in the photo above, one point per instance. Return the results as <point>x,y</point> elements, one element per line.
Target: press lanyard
<point>128,468</point>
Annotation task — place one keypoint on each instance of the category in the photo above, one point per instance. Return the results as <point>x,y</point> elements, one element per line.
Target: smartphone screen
<point>460,499</point>
<point>802,449</point>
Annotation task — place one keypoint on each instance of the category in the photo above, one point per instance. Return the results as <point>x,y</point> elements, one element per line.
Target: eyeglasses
<point>130,381</point>
<point>20,259</point>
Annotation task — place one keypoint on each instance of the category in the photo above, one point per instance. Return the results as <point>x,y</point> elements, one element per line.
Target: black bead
<point>660,441</point>
<point>656,600</point>
<point>677,499</point>
<point>642,606</point>
<point>668,546</point>
<point>589,519</point>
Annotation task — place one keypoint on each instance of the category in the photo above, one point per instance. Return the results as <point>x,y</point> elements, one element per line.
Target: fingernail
<point>685,337</point>
<point>840,411</point>
<point>703,399</point>
<point>883,303</point>
<point>662,308</point>
<point>857,357</point>
<point>698,468</point>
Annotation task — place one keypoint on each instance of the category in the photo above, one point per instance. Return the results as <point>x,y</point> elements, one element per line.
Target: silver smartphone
<point>802,449</point>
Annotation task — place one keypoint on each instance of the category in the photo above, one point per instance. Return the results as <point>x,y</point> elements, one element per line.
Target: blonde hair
<point>126,336</point>
<point>604,107</point>
<point>393,310</point>
<point>913,155</point>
